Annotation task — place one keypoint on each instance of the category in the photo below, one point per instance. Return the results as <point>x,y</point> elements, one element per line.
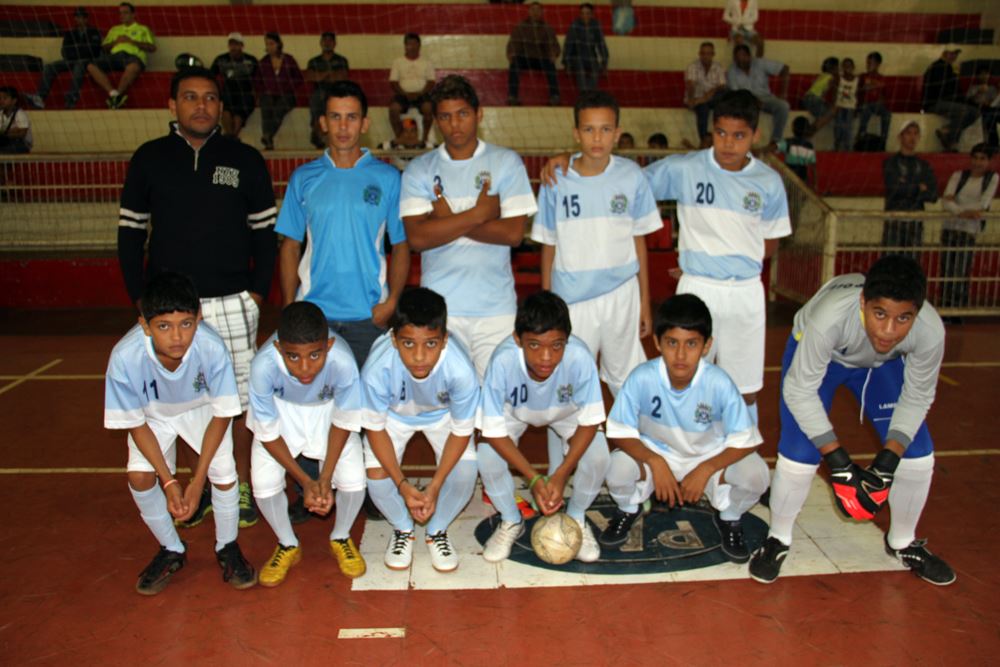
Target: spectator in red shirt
<point>276,80</point>
<point>871,94</point>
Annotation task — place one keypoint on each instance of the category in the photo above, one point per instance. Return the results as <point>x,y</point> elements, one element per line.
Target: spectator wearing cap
<point>909,184</point>
<point>126,48</point>
<point>323,70</point>
<point>15,128</point>
<point>236,69</point>
<point>276,81</point>
<point>942,96</point>
<point>411,78</point>
<point>80,46</point>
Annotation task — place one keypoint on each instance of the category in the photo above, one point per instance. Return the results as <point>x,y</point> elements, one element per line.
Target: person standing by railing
<point>909,184</point>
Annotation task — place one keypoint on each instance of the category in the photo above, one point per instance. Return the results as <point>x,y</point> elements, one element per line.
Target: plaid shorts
<point>236,317</point>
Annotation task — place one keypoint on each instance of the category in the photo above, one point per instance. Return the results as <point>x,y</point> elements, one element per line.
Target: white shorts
<point>480,336</point>
<point>191,427</point>
<point>739,315</point>
<point>268,476</point>
<point>401,434</point>
<point>564,428</point>
<point>609,325</point>
<point>235,317</point>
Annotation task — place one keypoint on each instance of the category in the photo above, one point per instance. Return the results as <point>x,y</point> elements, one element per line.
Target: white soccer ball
<point>556,538</point>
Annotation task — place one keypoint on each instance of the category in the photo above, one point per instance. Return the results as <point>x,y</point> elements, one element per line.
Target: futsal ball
<point>556,538</point>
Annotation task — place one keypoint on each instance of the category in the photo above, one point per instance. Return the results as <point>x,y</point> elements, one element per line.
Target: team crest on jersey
<point>481,178</point>
<point>199,382</point>
<point>703,414</point>
<point>619,204</point>
<point>372,195</point>
<point>752,202</point>
<point>565,393</point>
<point>226,176</point>
<point>443,397</point>
<point>326,393</point>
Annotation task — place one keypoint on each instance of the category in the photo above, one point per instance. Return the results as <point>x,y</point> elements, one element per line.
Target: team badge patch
<point>565,393</point>
<point>481,178</point>
<point>326,393</point>
<point>703,414</point>
<point>226,176</point>
<point>619,204</point>
<point>443,398</point>
<point>372,195</point>
<point>199,382</point>
<point>752,202</point>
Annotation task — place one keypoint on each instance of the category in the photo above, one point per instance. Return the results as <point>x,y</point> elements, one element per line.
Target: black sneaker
<point>733,545</point>
<point>616,533</point>
<point>157,574</point>
<point>236,571</point>
<point>372,512</point>
<point>765,564</point>
<point>923,563</point>
<point>297,512</point>
<point>204,509</point>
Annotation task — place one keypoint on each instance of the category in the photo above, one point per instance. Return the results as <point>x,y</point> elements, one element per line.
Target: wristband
<point>401,483</point>
<point>172,481</point>
<point>534,480</point>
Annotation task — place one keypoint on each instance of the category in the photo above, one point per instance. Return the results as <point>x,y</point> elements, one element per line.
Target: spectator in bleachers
<point>532,46</point>
<point>817,98</point>
<point>127,47</point>
<point>984,96</point>
<point>237,70</point>
<point>847,104</point>
<point>749,73</point>
<point>411,78</point>
<point>622,17</point>
<point>800,154</point>
<point>276,81</point>
<point>323,71</point>
<point>657,141</point>
<point>704,83</point>
<point>943,97</point>
<point>80,46</point>
<point>626,141</point>
<point>407,139</point>
<point>15,127</point>
<point>871,89</point>
<point>968,195</point>
<point>585,53</point>
<point>741,15</point>
<point>909,184</point>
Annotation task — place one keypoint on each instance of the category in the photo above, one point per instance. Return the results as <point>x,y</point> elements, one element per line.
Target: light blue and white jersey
<point>693,424</point>
<point>573,390</point>
<point>452,388</point>
<point>280,405</point>
<point>593,221</point>
<point>725,216</point>
<point>138,389</point>
<point>343,216</point>
<point>474,278</point>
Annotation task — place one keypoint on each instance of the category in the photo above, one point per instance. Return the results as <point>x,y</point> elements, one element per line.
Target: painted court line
<point>29,376</point>
<point>371,633</point>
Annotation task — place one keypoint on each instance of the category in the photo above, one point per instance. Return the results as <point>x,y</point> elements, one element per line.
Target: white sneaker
<point>399,553</point>
<point>443,556</point>
<point>36,101</point>
<point>589,551</point>
<point>502,541</point>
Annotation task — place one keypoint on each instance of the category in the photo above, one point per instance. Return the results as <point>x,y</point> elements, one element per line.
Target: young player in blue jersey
<point>418,379</point>
<point>684,431</point>
<point>542,376</point>
<point>171,377</point>
<point>732,209</point>
<point>876,335</point>
<point>305,401</point>
<point>592,224</point>
<point>464,205</point>
<point>341,206</point>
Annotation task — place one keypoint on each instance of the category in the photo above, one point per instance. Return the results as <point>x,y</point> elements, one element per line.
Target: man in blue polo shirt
<point>749,73</point>
<point>342,205</point>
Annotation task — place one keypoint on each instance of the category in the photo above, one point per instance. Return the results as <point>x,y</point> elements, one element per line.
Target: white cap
<point>235,37</point>
<point>909,124</point>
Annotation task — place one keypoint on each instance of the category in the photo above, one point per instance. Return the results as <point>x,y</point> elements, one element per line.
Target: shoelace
<point>734,538</point>
<point>618,523</point>
<point>399,542</point>
<point>349,553</point>
<point>279,555</point>
<point>441,543</point>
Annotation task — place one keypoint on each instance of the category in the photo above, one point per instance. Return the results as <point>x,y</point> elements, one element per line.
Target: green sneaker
<point>204,509</point>
<point>248,511</point>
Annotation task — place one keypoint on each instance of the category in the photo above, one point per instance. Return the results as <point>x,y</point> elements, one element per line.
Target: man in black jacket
<point>80,46</point>
<point>210,202</point>
<point>909,184</point>
<point>943,97</point>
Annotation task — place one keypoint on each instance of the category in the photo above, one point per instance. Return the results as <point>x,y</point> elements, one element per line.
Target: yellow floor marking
<point>947,380</point>
<point>29,376</point>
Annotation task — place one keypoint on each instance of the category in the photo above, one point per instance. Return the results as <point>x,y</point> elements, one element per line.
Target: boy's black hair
<point>346,88</point>
<point>896,277</point>
<point>830,63</point>
<point>11,92</point>
<point>411,35</point>
<point>659,139</point>
<point>329,33</point>
<point>190,73</point>
<point>800,127</point>
<point>739,104</point>
<point>275,37</point>
<point>586,5</point>
<point>740,47</point>
<point>454,87</point>
<point>704,44</point>
<point>982,149</point>
<point>420,307</point>
<point>626,134</point>
<point>130,6</point>
<point>595,99</point>
<point>169,292</point>
<point>301,323</point>
<point>846,60</point>
<point>683,311</point>
<point>876,56</point>
<point>541,312</point>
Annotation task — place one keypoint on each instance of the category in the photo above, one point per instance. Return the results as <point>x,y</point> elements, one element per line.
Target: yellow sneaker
<point>276,569</point>
<point>351,563</point>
